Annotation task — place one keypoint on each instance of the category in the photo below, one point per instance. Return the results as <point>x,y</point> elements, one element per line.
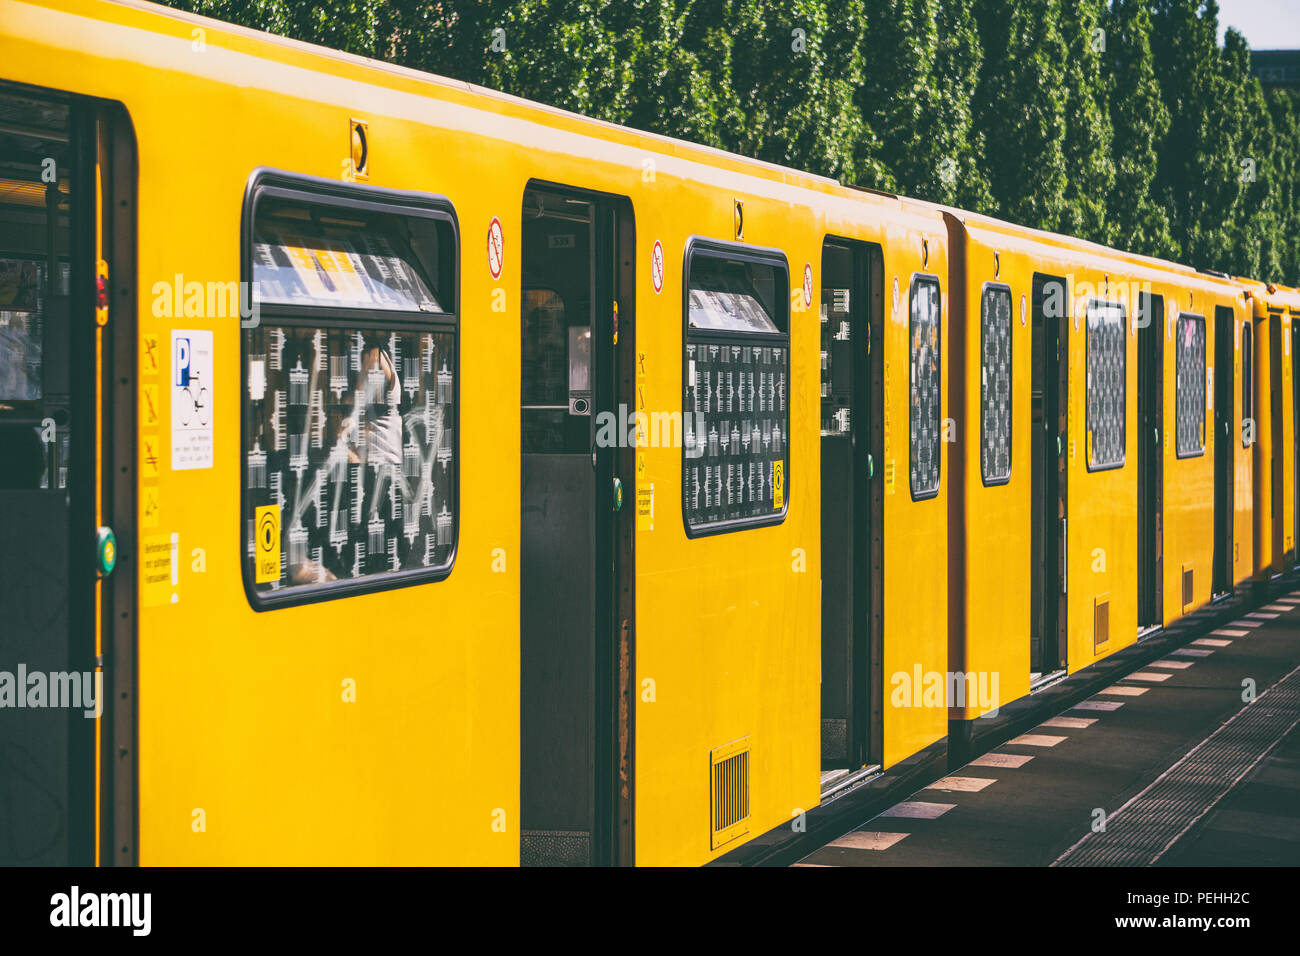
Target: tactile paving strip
<point>1142,830</point>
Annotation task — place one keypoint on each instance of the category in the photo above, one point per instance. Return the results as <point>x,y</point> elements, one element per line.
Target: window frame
<point>1205,361</point>
<point>917,279</point>
<point>265,183</point>
<point>765,255</point>
<point>1011,383</point>
<point>1087,384</point>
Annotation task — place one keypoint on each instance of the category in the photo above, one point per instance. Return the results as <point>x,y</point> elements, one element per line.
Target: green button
<point>106,548</point>
<point>618,495</point>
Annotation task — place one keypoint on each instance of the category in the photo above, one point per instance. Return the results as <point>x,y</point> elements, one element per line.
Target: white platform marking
<point>1190,652</point>
<point>1232,632</point>
<point>1037,740</point>
<point>962,784</point>
<point>1001,760</point>
<point>1211,642</point>
<point>1099,705</point>
<point>1121,690</point>
<point>1277,607</point>
<point>1148,675</point>
<point>1172,665</point>
<point>1262,615</point>
<point>868,840</point>
<point>918,810</point>
<point>1073,723</point>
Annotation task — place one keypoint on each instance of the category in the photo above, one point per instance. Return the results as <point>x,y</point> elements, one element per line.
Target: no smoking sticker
<point>807,284</point>
<point>657,266</point>
<point>496,248</point>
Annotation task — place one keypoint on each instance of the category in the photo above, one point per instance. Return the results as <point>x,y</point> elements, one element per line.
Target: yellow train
<point>395,471</point>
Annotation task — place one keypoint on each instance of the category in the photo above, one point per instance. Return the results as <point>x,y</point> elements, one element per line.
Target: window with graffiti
<point>735,413</point>
<point>350,456</point>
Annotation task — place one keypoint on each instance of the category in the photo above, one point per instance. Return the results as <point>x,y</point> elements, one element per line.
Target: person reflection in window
<point>376,446</point>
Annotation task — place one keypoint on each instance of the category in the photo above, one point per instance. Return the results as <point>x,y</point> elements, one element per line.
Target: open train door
<point>576,598</point>
<point>852,509</point>
<point>66,180</point>
<point>1051,365</point>
<point>1151,337</point>
<point>1224,446</point>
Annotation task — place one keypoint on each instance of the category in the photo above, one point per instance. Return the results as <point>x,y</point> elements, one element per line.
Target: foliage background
<point>1120,121</point>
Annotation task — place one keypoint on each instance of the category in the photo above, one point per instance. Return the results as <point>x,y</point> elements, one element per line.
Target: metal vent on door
<point>1100,621</point>
<point>1187,586</point>
<point>729,780</point>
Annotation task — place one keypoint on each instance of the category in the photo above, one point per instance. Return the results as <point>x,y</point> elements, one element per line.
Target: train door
<point>56,376</point>
<point>1224,446</point>
<point>1151,310</point>
<point>575,603</point>
<point>1050,406</point>
<point>851,397</point>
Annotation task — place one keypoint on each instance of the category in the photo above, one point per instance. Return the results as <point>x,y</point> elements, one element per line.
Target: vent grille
<point>1187,585</point>
<point>1100,621</point>
<point>729,778</point>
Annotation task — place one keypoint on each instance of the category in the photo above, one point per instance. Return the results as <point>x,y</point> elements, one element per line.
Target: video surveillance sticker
<point>191,395</point>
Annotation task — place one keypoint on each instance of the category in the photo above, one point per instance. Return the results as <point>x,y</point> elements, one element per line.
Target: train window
<point>350,386</point>
<point>41,198</point>
<point>995,385</point>
<point>1189,395</point>
<point>924,385</point>
<point>736,419</point>
<point>1107,385</point>
<point>1247,386</point>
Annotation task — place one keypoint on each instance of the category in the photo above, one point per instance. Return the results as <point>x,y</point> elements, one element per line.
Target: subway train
<point>400,472</point>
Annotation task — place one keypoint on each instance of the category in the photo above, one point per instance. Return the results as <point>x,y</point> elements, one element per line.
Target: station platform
<point>1190,759</point>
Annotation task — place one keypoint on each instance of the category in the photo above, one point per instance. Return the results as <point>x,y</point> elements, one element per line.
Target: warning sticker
<point>267,555</point>
<point>150,462</point>
<point>496,248</point>
<point>152,505</point>
<point>657,266</point>
<point>159,567</point>
<point>149,405</point>
<point>807,284</point>
<point>149,355</point>
<point>645,507</point>
<point>191,395</point>
<point>778,484</point>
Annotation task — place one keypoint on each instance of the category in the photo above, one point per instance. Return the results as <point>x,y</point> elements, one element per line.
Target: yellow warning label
<point>151,506</point>
<point>266,554</point>
<point>149,412</point>
<point>778,484</point>
<point>149,355</point>
<point>645,507</point>
<point>158,570</point>
<point>150,466</point>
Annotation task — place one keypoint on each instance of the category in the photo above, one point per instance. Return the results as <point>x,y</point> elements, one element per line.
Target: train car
<point>1096,393</point>
<point>435,476</point>
<point>410,473</point>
